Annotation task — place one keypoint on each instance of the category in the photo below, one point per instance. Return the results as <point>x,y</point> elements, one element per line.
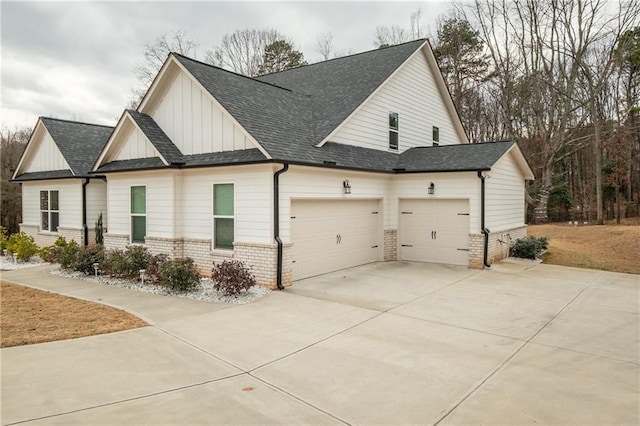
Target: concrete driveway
<point>386,343</point>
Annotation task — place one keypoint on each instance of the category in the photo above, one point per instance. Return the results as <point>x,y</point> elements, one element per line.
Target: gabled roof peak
<point>43,118</point>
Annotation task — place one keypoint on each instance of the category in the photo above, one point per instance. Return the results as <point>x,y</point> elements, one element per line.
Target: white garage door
<point>332,235</point>
<point>435,231</point>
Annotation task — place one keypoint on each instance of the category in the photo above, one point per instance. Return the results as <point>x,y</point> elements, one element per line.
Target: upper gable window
<point>436,136</point>
<point>393,130</point>
<point>49,211</point>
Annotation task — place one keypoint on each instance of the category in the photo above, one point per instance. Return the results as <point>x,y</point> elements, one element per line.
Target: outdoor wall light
<point>432,188</point>
<point>142,273</point>
<point>96,265</point>
<point>346,187</point>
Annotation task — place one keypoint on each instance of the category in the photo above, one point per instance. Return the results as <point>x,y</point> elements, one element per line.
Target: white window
<point>138,214</point>
<point>436,136</point>
<point>49,211</point>
<point>393,130</point>
<point>223,216</point>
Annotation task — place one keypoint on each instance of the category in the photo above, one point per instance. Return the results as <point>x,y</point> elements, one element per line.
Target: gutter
<point>85,228</point>
<point>484,230</point>
<point>276,222</point>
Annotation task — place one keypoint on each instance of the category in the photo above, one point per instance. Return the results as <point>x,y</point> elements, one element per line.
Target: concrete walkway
<point>386,343</point>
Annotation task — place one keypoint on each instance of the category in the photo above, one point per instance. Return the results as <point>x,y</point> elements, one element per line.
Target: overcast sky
<point>74,60</point>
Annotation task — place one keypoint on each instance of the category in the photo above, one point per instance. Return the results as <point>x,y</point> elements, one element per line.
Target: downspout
<point>276,222</point>
<point>85,228</point>
<point>484,230</point>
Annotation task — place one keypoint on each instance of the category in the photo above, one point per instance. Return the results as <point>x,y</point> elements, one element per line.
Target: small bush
<point>51,254</point>
<point>3,239</point>
<point>232,277</point>
<point>127,263</point>
<point>153,266</point>
<point>99,230</point>
<point>178,274</point>
<point>529,247</point>
<point>67,254</point>
<point>22,245</point>
<point>86,257</point>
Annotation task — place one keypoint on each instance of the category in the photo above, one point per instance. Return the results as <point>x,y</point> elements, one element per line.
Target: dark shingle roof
<point>157,137</point>
<point>49,174</point>
<point>463,157</point>
<point>79,143</point>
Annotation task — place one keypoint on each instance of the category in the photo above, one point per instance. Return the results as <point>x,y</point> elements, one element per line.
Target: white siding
<point>414,95</point>
<point>253,207</point>
<point>447,186</point>
<point>69,198</point>
<point>505,195</point>
<point>160,195</point>
<point>44,155</point>
<point>193,121</point>
<point>134,144</point>
<point>96,202</point>
<point>315,183</point>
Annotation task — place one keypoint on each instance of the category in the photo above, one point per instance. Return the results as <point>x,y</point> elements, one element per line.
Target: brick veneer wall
<point>43,239</point>
<point>476,251</point>
<point>390,244</point>
<point>115,241</point>
<point>500,242</point>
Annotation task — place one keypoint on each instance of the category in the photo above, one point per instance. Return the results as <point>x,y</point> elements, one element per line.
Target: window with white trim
<point>436,136</point>
<point>49,211</point>
<point>393,130</point>
<point>223,216</point>
<point>138,214</point>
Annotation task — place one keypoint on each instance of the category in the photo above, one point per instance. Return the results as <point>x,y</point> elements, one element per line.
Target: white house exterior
<point>310,170</point>
<point>59,196</point>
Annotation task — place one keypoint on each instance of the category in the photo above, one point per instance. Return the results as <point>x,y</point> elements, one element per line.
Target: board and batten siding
<point>160,205</point>
<point>505,199</point>
<point>194,122</point>
<point>69,201</point>
<point>253,206</point>
<point>134,144</point>
<point>413,93</point>
<point>96,202</point>
<point>447,186</point>
<point>316,184</point>
<point>46,157</point>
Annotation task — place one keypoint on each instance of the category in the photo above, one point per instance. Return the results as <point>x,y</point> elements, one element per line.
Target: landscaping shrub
<point>232,277</point>
<point>178,274</point>
<point>22,245</point>
<point>51,254</point>
<point>127,263</point>
<point>529,247</point>
<point>86,257</point>
<point>68,254</point>
<point>3,239</point>
<point>152,267</point>
<point>99,230</point>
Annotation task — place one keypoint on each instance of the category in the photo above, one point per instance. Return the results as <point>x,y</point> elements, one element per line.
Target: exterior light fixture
<point>346,187</point>
<point>432,188</point>
<point>142,273</point>
<point>95,268</point>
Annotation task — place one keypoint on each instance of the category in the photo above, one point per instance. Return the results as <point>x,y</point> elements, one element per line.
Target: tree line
<point>560,77</point>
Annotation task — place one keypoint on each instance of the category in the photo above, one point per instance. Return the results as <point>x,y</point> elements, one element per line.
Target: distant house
<point>59,196</point>
<point>310,170</point>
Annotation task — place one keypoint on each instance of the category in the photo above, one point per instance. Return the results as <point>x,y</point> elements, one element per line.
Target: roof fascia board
<point>27,150</point>
<point>248,135</point>
<point>156,81</point>
<point>521,161</point>
<point>371,95</point>
<point>444,91</point>
<point>135,125</point>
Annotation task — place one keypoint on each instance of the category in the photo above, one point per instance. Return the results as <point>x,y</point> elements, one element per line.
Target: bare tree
<point>243,50</point>
<point>12,146</point>
<point>154,56</point>
<point>395,34</point>
<point>324,45</point>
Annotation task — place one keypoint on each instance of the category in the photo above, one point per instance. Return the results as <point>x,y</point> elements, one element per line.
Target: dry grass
<point>609,247</point>
<point>33,316</point>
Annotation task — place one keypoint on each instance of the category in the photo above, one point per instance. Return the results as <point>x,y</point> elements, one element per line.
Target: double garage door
<point>331,235</point>
<point>434,231</point>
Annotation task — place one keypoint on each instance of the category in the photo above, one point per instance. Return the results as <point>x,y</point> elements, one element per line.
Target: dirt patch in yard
<point>31,316</point>
<point>608,247</point>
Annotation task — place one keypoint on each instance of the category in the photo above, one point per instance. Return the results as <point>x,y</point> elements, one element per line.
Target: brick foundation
<point>476,251</point>
<point>43,239</point>
<point>115,241</point>
<point>390,245</point>
<point>501,241</point>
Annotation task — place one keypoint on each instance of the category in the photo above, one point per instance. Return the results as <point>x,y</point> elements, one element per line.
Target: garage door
<point>332,235</point>
<point>435,231</point>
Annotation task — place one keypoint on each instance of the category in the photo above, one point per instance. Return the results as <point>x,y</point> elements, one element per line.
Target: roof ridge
<point>234,73</point>
<point>75,122</point>
<point>347,56</point>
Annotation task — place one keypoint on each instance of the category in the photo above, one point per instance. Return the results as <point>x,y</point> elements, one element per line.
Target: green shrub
<point>99,230</point>
<point>22,245</point>
<point>529,247</point>
<point>127,263</point>
<point>3,239</point>
<point>86,257</point>
<point>153,266</point>
<point>178,274</point>
<point>67,254</point>
<point>232,277</point>
<point>51,254</point>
